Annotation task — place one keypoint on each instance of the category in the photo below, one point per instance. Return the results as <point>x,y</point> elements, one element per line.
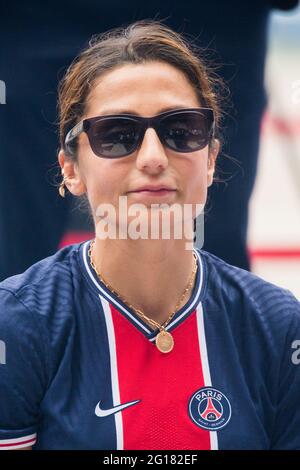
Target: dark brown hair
<point>140,42</point>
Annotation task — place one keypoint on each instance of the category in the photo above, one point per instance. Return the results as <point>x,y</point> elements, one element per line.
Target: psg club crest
<point>209,409</point>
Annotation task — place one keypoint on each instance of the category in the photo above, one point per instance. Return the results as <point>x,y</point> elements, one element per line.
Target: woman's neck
<point>151,276</point>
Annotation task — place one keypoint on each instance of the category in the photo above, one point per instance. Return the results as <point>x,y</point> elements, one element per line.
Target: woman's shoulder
<point>245,292</point>
<point>43,285</point>
<point>36,323</point>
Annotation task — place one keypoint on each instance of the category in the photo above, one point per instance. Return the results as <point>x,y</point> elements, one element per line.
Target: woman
<point>127,342</point>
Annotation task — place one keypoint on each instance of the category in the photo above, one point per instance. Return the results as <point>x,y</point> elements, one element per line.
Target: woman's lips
<point>156,191</point>
<point>161,193</point>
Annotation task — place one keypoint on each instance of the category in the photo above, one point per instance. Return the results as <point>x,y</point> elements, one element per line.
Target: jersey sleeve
<point>286,429</point>
<point>23,372</point>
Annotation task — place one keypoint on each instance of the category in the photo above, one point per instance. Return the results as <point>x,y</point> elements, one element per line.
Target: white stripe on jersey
<point>205,367</point>
<point>18,442</point>
<point>114,371</point>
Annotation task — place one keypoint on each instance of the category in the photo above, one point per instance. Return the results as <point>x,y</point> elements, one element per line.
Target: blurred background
<point>274,224</point>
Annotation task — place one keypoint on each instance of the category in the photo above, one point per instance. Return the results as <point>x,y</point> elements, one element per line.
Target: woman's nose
<point>151,154</point>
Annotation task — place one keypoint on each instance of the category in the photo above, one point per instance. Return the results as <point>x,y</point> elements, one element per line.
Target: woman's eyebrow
<point>131,111</point>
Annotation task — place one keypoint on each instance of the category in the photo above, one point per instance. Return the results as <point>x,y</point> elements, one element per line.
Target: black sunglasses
<point>115,136</point>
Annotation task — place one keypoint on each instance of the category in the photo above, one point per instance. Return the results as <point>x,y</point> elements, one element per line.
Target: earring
<point>61,189</point>
<point>195,228</point>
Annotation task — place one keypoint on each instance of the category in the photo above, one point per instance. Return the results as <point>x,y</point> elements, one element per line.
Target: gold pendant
<point>164,341</point>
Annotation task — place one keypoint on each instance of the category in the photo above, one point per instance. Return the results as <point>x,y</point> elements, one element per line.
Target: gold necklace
<point>164,340</point>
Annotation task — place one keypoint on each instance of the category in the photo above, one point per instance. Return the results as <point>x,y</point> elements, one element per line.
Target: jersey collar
<point>103,292</point>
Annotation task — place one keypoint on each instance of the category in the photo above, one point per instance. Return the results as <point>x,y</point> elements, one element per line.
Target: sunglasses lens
<point>186,132</point>
<point>114,138</point>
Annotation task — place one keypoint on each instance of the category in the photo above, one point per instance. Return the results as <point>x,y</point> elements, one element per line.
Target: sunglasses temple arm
<point>74,132</point>
<point>213,129</point>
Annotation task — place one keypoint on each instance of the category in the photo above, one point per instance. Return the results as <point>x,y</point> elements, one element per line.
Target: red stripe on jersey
<point>163,382</point>
<point>19,443</point>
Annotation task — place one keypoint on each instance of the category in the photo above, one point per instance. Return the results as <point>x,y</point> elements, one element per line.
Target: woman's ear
<point>71,173</point>
<point>211,161</point>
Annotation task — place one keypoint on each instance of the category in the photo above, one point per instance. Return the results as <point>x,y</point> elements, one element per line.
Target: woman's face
<point>145,90</point>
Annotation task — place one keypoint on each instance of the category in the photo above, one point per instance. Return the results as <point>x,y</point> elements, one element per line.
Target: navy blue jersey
<point>80,370</point>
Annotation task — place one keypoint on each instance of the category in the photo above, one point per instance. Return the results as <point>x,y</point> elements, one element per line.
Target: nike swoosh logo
<point>102,413</point>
